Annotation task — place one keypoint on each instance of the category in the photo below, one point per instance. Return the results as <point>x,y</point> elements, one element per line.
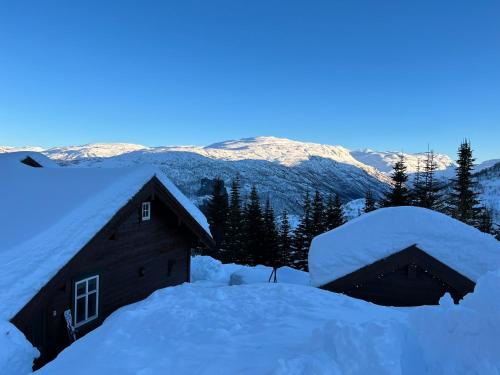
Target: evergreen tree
<point>302,236</point>
<point>485,223</point>
<point>253,229</point>
<point>234,232</point>
<point>317,215</point>
<point>464,202</point>
<point>284,241</point>
<point>270,238</point>
<point>398,195</point>
<point>431,186</point>
<point>418,193</point>
<point>334,213</point>
<point>369,202</point>
<point>217,213</point>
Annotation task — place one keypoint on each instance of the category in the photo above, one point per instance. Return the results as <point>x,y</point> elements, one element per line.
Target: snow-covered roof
<point>49,214</point>
<point>378,234</point>
<point>13,159</point>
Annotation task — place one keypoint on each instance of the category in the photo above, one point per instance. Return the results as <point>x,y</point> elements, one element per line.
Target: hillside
<point>282,169</point>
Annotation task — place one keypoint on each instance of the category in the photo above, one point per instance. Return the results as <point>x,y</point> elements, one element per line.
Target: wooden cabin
<point>84,242</point>
<point>402,256</point>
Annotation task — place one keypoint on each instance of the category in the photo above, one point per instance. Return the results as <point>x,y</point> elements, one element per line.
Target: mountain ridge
<point>282,169</point>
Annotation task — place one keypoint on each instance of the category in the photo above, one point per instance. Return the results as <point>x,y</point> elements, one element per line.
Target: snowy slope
<point>281,168</point>
<point>283,329</point>
<point>200,329</point>
<point>489,188</point>
<point>384,160</point>
<point>95,150</point>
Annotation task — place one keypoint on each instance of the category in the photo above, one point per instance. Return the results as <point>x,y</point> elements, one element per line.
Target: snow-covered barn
<point>78,243</point>
<point>402,256</point>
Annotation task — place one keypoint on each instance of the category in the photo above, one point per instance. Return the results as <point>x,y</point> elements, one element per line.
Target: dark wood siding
<point>133,258</point>
<point>410,277</point>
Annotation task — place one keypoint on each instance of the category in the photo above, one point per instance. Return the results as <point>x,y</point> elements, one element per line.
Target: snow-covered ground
<point>210,327</point>
<point>205,268</point>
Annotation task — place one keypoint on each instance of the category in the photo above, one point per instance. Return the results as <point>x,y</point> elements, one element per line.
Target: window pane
<point>92,305</point>
<point>92,285</point>
<point>80,289</point>
<point>80,309</point>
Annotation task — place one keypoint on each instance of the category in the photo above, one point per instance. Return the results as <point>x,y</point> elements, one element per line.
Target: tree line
<point>457,198</point>
<point>248,232</point>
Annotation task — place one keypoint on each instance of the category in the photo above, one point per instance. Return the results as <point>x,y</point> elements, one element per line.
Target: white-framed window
<point>86,302</point>
<point>146,211</point>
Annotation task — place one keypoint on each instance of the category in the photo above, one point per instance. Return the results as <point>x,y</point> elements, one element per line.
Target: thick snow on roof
<point>383,232</point>
<point>14,159</point>
<point>49,214</point>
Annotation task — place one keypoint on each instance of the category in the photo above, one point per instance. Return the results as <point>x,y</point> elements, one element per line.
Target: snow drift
<point>279,329</point>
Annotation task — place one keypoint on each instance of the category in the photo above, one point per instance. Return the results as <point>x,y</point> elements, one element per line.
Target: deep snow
<point>205,268</point>
<point>380,233</point>
<point>208,327</point>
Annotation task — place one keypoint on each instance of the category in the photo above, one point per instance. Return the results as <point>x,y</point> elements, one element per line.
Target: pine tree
<point>464,202</point>
<point>284,240</point>
<point>253,229</point>
<point>418,193</point>
<point>398,195</point>
<point>334,213</point>
<point>485,223</point>
<point>369,202</point>
<point>270,237</point>
<point>217,213</point>
<point>431,186</point>
<point>317,215</point>
<point>234,232</point>
<point>302,236</point>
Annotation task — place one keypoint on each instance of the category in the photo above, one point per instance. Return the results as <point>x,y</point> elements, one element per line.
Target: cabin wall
<point>410,277</point>
<point>407,286</point>
<point>132,261</point>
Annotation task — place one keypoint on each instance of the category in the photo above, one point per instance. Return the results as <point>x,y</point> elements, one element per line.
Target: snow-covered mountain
<point>489,186</point>
<point>4,149</point>
<point>95,150</point>
<point>383,161</point>
<point>281,168</point>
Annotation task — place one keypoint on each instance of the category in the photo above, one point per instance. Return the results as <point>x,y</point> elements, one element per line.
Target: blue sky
<point>389,75</point>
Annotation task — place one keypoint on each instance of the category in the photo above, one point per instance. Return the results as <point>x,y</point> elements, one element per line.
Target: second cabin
<point>402,256</point>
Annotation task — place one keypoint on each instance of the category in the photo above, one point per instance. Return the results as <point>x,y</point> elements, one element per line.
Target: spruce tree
<point>485,223</point>
<point>217,213</point>
<point>418,192</point>
<point>253,229</point>
<point>398,195</point>
<point>431,186</point>
<point>464,202</point>
<point>334,213</point>
<point>302,236</point>
<point>270,237</point>
<point>234,232</point>
<point>369,202</point>
<point>284,240</point>
<point>317,215</point>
